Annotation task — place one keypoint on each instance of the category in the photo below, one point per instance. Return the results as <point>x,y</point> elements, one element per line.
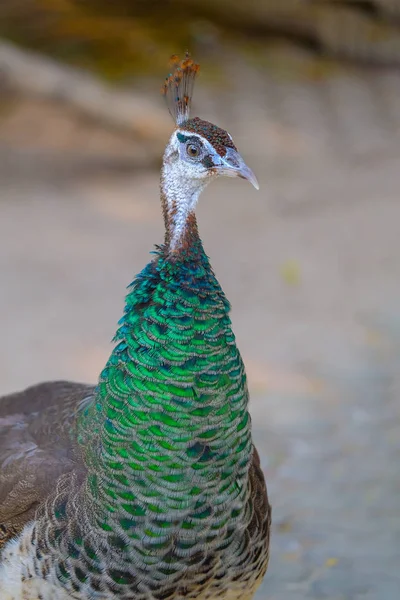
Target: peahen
<point>148,486</point>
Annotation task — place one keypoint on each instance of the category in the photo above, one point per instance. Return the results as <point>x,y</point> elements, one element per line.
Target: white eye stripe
<point>205,146</point>
<point>191,135</point>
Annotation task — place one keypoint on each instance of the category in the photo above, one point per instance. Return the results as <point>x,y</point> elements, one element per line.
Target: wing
<point>36,447</point>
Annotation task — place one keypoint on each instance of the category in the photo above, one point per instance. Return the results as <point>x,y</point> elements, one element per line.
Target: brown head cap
<point>218,138</point>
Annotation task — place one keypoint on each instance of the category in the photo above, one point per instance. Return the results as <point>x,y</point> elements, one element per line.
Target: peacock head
<point>198,151</point>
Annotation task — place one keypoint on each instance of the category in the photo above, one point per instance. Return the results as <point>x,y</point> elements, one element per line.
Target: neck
<point>179,198</point>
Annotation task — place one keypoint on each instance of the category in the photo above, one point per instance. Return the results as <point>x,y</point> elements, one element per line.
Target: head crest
<point>178,87</point>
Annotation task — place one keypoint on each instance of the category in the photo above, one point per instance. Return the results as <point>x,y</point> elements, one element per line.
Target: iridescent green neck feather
<point>172,404</point>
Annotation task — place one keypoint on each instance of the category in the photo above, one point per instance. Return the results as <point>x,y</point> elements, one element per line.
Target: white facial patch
<point>182,182</point>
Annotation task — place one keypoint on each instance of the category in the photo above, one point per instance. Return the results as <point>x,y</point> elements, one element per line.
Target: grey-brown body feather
<point>36,448</point>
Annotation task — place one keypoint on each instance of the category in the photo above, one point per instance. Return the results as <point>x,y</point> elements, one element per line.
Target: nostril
<point>232,161</point>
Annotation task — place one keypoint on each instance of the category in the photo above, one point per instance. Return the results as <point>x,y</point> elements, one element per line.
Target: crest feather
<point>178,87</point>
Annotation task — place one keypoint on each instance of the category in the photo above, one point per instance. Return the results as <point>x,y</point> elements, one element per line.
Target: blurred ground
<point>311,265</point>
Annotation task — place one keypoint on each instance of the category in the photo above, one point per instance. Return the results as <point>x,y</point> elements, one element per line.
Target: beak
<point>233,165</point>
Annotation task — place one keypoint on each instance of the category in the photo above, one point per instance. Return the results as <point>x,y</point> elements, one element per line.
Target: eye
<point>192,150</point>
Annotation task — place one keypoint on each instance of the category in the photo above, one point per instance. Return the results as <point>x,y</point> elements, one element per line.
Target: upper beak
<point>233,165</point>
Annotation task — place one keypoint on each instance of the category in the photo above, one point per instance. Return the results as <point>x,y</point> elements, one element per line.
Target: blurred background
<point>310,92</point>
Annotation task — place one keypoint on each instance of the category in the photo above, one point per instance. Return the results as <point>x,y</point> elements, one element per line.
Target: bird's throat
<point>179,198</point>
